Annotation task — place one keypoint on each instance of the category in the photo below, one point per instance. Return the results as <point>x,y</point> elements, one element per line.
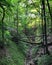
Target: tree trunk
<point>45,32</point>
<point>2,24</point>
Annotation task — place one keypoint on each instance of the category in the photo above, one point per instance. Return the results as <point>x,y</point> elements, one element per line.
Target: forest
<point>25,32</point>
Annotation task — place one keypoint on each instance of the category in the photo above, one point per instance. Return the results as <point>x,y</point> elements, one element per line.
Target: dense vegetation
<point>25,32</point>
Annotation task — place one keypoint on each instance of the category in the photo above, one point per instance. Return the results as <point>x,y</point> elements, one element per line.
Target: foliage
<point>23,19</point>
<point>45,60</point>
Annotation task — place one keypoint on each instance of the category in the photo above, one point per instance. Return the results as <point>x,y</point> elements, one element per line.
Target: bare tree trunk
<point>45,32</point>
<point>2,24</point>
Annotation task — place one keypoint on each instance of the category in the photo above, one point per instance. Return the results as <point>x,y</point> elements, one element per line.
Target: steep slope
<point>13,55</point>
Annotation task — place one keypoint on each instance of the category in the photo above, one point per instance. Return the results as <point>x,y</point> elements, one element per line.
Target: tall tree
<point>50,13</point>
<point>45,28</point>
<point>2,23</point>
<point>4,5</point>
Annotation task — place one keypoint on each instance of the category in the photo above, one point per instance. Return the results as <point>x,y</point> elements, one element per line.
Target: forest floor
<point>11,55</point>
